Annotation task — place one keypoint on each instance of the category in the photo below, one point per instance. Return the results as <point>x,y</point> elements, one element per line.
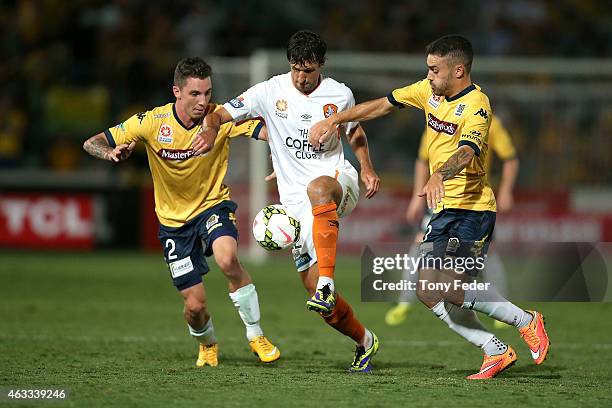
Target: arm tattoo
<point>98,148</point>
<point>455,164</point>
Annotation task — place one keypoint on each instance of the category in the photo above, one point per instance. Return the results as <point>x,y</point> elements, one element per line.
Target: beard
<point>441,89</point>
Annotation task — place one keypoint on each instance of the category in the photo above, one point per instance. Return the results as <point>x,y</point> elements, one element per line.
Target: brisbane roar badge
<point>330,109</point>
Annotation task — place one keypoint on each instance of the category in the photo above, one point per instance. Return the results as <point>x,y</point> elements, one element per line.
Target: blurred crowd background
<point>71,68</point>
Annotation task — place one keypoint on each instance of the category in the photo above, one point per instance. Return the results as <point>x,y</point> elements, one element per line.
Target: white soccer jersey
<point>289,114</point>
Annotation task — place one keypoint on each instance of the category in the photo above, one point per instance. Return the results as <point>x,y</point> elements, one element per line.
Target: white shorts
<point>304,253</point>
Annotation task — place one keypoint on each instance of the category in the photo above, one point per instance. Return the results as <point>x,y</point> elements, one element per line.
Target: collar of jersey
<point>462,93</point>
<point>180,122</point>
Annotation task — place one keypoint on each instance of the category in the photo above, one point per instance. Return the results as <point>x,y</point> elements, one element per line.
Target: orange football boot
<point>493,365</point>
<point>536,338</point>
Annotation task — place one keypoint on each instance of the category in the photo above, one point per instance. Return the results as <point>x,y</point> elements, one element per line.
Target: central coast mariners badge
<point>434,101</point>
<point>329,109</point>
<point>165,134</point>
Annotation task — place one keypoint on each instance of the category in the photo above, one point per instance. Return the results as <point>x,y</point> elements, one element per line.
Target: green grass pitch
<point>108,326</point>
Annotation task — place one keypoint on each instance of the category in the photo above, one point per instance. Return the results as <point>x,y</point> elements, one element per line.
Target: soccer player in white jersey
<point>316,185</point>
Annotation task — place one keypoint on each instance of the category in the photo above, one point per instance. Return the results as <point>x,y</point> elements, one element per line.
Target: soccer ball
<point>274,228</point>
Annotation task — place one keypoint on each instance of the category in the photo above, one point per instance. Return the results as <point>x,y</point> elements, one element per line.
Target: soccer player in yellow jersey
<point>458,117</point>
<point>193,205</point>
<point>502,145</point>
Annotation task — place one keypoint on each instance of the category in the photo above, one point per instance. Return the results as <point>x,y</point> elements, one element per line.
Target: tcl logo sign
<point>46,221</point>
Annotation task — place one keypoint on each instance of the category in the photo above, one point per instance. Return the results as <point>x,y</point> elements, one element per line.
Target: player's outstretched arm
<point>205,140</point>
<point>359,144</point>
<point>98,146</point>
<point>434,189</point>
<point>505,200</point>
<point>372,109</point>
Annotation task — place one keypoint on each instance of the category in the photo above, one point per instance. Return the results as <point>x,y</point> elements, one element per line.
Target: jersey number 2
<point>170,243</point>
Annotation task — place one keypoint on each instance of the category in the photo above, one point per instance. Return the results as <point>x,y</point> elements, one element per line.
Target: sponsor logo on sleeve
<point>440,125</point>
<point>473,135</point>
<point>329,109</point>
<point>165,134</point>
<point>459,109</point>
<point>237,102</point>
<point>482,113</point>
<point>181,267</point>
<point>121,127</point>
<point>162,115</point>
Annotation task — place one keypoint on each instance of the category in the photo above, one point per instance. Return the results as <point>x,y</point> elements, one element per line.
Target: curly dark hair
<point>457,47</point>
<point>191,67</point>
<point>306,47</point>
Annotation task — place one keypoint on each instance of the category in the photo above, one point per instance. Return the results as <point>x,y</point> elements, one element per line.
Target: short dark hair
<point>306,47</point>
<point>191,67</point>
<point>457,47</point>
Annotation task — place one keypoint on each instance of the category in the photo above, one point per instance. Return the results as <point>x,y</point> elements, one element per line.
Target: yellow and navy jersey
<point>499,140</point>
<point>184,184</point>
<point>461,120</point>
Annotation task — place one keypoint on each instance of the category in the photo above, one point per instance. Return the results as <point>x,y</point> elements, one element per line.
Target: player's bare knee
<point>323,190</point>
<point>428,297</point>
<point>453,296</point>
<point>195,307</point>
<point>229,265</point>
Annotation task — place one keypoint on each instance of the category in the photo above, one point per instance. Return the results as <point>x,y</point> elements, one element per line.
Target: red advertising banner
<point>538,216</point>
<point>40,220</point>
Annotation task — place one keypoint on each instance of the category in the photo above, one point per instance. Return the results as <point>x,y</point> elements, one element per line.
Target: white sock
<point>496,306</point>
<point>463,322</point>
<point>324,280</point>
<point>206,335</point>
<point>494,347</point>
<point>247,303</point>
<point>368,339</point>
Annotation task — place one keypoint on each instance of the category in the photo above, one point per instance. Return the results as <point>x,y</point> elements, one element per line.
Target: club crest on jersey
<point>329,109</point>
<point>459,109</point>
<point>165,134</point>
<point>281,107</point>
<point>434,101</point>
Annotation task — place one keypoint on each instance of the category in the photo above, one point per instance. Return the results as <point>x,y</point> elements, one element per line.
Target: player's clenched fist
<point>204,141</point>
<point>321,131</point>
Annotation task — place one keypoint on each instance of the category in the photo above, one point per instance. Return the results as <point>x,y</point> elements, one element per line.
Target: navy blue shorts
<point>459,233</point>
<point>186,247</point>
